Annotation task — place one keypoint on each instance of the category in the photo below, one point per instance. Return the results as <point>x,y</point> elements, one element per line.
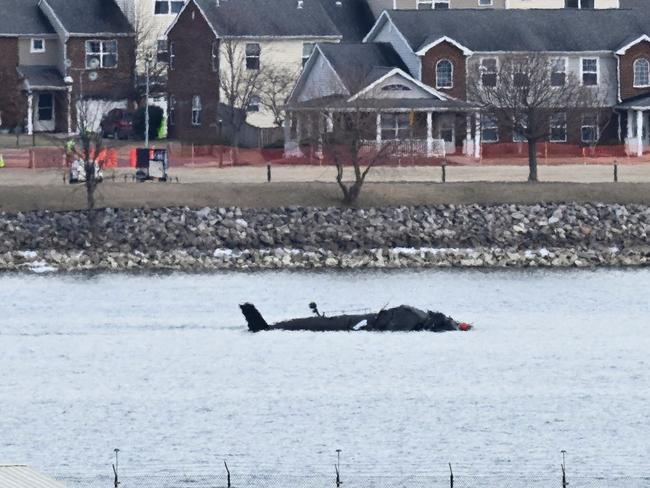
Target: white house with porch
<point>371,78</point>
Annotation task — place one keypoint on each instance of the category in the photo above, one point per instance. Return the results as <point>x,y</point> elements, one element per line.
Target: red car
<point>118,124</point>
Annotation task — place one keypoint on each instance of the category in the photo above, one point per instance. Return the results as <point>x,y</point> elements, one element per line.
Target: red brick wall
<point>12,101</point>
<point>641,50</point>
<point>448,51</point>
<point>111,83</point>
<point>193,75</point>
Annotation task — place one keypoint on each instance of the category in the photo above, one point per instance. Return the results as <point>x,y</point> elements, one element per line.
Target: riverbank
<point>513,235</point>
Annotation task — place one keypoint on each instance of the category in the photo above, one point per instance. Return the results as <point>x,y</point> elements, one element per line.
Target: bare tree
<point>350,140</point>
<point>240,81</point>
<point>275,88</point>
<point>532,96</point>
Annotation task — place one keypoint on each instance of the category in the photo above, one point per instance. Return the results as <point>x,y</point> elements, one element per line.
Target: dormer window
<point>395,87</point>
<point>166,7</point>
<point>37,45</point>
<point>641,73</point>
<point>444,74</point>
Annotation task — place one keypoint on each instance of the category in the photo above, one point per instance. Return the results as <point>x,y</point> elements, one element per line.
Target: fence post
<point>227,473</point>
<point>268,172</point>
<point>564,481</point>
<point>444,171</point>
<point>615,172</point>
<point>451,477</point>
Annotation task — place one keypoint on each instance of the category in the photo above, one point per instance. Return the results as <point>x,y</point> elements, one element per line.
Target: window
<point>520,79</point>
<point>558,72</point>
<point>37,45</point>
<point>307,49</point>
<point>485,3</point>
<point>579,3</point>
<point>558,127</point>
<point>172,55</point>
<point>488,71</point>
<point>162,54</point>
<point>101,54</point>
<point>254,104</point>
<point>197,109</point>
<point>165,7</point>
<point>589,128</point>
<point>395,87</point>
<point>215,56</point>
<point>394,126</point>
<point>520,125</point>
<point>171,109</point>
<point>253,51</point>
<point>444,74</point>
<point>489,128</point>
<point>429,4</point>
<point>590,71</point>
<point>45,107</point>
<point>641,73</point>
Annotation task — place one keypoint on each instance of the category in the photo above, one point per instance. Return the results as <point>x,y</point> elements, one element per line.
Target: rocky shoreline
<point>475,236</point>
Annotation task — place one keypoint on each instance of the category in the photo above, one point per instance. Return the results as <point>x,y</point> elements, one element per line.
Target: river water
<point>162,367</point>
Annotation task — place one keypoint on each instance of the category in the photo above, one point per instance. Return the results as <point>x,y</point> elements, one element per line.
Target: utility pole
<point>147,61</point>
<point>338,469</point>
<point>564,481</point>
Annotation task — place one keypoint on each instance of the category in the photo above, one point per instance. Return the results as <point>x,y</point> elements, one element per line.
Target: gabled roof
<point>23,17</point>
<point>353,18</point>
<point>543,30</point>
<point>360,64</point>
<point>265,18</point>
<point>90,16</point>
<point>25,477</point>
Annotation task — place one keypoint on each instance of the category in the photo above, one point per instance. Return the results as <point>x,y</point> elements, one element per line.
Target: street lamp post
<point>147,61</point>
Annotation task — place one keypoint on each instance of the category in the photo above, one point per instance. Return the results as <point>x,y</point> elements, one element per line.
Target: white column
<point>30,113</point>
<point>639,133</point>
<point>468,135</point>
<point>68,100</point>
<point>319,125</point>
<point>630,131</point>
<point>429,134</point>
<point>298,130</point>
<point>286,131</point>
<point>477,135</point>
<point>330,122</point>
<point>378,134</point>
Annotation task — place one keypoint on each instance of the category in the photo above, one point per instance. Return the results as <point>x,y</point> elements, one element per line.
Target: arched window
<point>444,74</point>
<point>396,87</point>
<point>641,72</point>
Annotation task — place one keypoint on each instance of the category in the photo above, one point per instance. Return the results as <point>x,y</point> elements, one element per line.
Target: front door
<point>44,113</point>
<point>447,132</point>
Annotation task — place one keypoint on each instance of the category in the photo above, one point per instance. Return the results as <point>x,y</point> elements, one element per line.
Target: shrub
<point>156,116</point>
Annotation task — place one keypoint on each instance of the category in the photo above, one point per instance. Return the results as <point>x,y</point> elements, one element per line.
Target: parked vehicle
<point>118,124</point>
<point>78,172</point>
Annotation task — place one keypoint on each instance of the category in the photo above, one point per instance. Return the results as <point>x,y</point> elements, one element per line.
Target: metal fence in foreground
<point>180,480</point>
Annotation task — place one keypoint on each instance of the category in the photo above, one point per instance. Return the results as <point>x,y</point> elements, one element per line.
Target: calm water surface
<point>163,368</point>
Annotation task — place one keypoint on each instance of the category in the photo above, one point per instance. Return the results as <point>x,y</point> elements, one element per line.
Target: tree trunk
<point>532,161</point>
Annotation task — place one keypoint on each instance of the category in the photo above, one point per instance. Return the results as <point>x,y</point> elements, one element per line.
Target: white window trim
<point>430,3</point>
<point>634,84</point>
<point>516,138</point>
<point>198,109</point>
<point>480,64</point>
<point>566,70</point>
<point>582,71</point>
<point>450,87</point>
<point>484,126</point>
<point>566,128</point>
<point>101,53</point>
<point>582,126</point>
<point>171,110</point>
<point>172,55</point>
<point>169,7</point>
<point>32,49</point>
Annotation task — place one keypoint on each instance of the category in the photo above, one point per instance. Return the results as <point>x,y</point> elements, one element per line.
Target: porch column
<point>286,131</point>
<point>468,135</point>
<point>429,134</point>
<point>378,134</point>
<point>68,101</point>
<point>30,112</point>
<point>319,149</point>
<point>639,133</point>
<point>477,135</point>
<point>298,130</point>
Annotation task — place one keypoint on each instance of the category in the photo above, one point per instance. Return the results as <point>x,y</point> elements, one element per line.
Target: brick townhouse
<point>53,53</point>
<point>417,65</point>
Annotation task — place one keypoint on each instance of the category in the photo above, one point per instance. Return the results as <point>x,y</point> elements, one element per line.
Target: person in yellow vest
<point>2,161</point>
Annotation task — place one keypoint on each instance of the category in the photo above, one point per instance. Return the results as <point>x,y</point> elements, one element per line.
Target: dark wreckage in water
<point>398,319</point>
